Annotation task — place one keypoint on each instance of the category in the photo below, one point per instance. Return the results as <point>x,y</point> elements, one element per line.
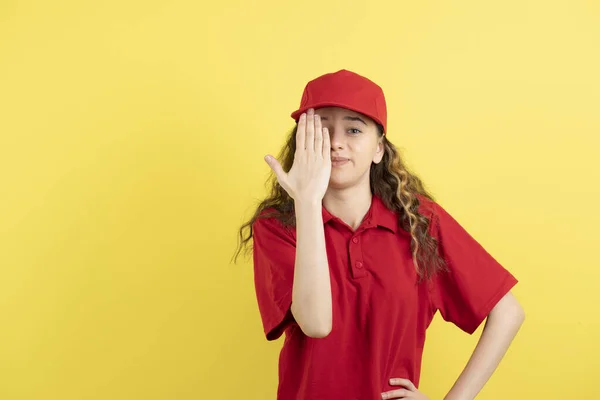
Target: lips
<point>339,161</point>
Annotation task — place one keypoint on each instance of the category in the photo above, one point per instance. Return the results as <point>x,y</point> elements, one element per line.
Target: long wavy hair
<point>390,180</point>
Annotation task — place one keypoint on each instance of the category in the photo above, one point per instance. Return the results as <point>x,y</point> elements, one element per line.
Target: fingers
<point>277,169</point>
<point>403,382</point>
<point>326,144</point>
<point>408,392</point>
<point>311,136</point>
<point>318,147</point>
<point>301,133</point>
<point>395,394</point>
<point>310,130</point>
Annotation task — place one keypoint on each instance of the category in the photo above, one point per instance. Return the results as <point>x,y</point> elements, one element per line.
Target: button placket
<point>357,266</point>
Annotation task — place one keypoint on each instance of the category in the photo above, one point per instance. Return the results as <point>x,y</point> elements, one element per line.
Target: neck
<point>350,205</point>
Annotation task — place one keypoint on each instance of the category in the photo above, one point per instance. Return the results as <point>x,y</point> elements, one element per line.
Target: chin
<point>346,179</point>
<point>340,183</point>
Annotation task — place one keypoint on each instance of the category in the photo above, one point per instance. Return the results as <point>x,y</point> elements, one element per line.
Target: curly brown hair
<point>398,188</point>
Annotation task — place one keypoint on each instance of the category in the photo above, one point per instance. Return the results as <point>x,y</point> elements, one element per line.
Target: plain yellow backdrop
<point>132,137</point>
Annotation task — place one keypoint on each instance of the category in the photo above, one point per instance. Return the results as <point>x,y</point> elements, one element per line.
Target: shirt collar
<point>378,215</point>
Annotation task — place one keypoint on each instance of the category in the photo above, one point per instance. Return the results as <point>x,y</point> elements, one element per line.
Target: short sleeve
<point>274,254</point>
<point>474,282</point>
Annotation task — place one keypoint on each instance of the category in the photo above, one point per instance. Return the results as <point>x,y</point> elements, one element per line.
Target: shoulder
<point>268,218</point>
<point>439,218</point>
<point>427,207</point>
<point>270,221</point>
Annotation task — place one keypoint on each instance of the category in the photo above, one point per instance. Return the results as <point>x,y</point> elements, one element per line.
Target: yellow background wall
<point>131,143</point>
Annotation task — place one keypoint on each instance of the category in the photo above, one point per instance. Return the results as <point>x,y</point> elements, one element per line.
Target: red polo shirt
<point>380,313</point>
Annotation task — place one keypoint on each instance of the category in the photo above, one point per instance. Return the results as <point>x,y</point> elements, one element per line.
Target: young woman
<point>353,257</point>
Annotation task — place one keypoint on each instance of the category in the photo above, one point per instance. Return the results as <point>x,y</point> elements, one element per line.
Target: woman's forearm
<point>501,326</point>
<point>311,292</point>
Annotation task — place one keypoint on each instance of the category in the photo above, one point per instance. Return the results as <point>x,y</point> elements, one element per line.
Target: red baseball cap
<point>348,90</point>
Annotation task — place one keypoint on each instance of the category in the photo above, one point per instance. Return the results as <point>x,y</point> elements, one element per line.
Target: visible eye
<point>354,131</point>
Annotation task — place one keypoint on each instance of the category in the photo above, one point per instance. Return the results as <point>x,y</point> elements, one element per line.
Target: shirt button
<point>359,264</point>
<point>355,240</point>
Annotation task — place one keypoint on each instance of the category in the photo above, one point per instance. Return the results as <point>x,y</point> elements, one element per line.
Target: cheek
<point>366,152</point>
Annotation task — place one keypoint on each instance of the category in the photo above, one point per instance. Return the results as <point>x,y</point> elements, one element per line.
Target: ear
<point>380,151</point>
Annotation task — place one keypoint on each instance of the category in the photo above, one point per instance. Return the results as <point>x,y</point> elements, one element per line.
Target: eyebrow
<point>348,118</point>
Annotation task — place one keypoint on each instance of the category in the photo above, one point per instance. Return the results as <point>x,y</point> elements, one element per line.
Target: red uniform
<point>380,312</point>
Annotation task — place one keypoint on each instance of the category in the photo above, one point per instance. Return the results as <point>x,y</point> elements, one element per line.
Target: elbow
<point>317,332</point>
<point>313,325</point>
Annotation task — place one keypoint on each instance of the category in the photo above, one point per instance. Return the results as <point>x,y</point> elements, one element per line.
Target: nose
<point>337,138</point>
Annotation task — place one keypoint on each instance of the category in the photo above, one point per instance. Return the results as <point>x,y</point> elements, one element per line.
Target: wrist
<point>308,205</point>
